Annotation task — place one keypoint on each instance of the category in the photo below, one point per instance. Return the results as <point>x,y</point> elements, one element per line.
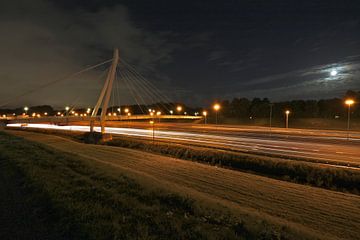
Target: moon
<point>333,73</point>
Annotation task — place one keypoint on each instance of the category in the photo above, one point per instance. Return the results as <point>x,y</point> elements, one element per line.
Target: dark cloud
<point>41,42</point>
<point>195,51</point>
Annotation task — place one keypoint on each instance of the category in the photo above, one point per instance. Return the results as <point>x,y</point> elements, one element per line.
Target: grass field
<point>288,169</point>
<point>264,206</point>
<point>48,194</point>
<point>339,179</point>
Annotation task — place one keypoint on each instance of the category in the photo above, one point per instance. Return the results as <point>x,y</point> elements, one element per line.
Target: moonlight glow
<point>333,73</point>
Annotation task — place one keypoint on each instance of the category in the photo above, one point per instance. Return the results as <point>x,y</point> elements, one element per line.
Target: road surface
<point>310,148</point>
<point>314,212</point>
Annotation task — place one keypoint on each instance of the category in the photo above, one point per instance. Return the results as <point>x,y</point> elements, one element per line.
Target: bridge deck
<point>58,119</point>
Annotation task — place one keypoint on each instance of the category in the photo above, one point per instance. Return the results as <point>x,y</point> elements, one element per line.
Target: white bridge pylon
<point>105,95</point>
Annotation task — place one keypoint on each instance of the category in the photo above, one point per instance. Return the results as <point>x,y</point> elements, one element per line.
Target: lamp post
<point>270,117</point>
<point>205,116</point>
<point>349,102</point>
<point>67,108</point>
<point>152,122</point>
<point>287,112</point>
<point>26,109</point>
<point>158,113</point>
<point>216,108</point>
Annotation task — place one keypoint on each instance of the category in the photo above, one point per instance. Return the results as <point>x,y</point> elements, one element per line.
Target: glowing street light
<point>216,108</point>
<point>67,108</point>
<point>119,110</point>
<point>179,108</point>
<point>171,112</point>
<point>205,116</point>
<point>152,122</point>
<point>26,109</point>
<point>126,110</point>
<point>349,102</point>
<point>287,112</point>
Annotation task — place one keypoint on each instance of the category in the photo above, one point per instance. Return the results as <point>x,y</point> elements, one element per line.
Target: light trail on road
<point>334,153</point>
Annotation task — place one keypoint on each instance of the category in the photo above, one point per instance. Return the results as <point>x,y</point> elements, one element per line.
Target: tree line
<point>260,108</point>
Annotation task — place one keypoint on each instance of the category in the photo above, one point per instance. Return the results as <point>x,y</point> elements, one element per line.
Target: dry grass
<point>71,198</point>
<point>299,211</point>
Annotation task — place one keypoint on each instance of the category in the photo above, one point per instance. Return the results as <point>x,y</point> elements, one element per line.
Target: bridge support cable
<point>117,93</point>
<point>150,91</point>
<point>73,104</point>
<point>147,91</point>
<point>143,92</point>
<point>149,85</point>
<point>138,98</point>
<point>136,91</point>
<point>54,82</point>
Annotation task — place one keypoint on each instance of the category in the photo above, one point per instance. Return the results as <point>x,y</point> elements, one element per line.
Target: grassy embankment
<point>339,179</point>
<point>292,170</point>
<point>48,194</point>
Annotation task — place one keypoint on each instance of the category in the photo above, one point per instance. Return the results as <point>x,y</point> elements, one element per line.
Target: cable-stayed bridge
<point>151,103</point>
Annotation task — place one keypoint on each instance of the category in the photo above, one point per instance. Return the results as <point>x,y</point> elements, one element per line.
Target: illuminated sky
<point>194,51</point>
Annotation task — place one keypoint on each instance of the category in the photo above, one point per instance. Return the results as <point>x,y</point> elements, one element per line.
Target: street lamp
<point>205,115</point>
<point>349,102</point>
<point>270,117</point>
<point>179,108</point>
<point>152,122</point>
<point>26,109</point>
<point>158,114</point>
<point>287,112</point>
<point>216,108</point>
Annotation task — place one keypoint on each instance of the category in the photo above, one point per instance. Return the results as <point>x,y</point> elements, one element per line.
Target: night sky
<point>194,51</point>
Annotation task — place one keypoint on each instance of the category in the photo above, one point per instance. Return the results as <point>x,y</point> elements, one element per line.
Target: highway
<point>326,148</point>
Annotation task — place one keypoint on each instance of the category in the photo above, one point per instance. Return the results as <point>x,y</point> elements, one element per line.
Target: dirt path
<point>328,214</point>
